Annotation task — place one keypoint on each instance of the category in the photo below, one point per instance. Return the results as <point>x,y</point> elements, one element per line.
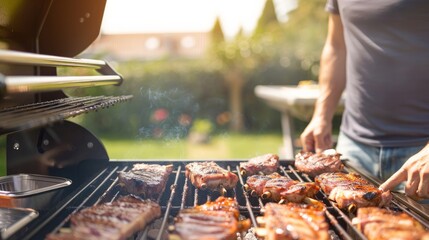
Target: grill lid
<point>63,28</point>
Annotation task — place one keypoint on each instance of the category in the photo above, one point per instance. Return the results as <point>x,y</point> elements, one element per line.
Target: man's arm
<point>416,172</point>
<point>332,80</point>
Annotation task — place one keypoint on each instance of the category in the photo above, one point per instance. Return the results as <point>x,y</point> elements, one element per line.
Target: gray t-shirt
<point>387,90</point>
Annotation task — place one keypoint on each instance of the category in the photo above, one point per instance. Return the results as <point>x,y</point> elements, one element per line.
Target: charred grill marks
<point>209,175</point>
<point>314,164</point>
<point>265,164</point>
<point>147,180</point>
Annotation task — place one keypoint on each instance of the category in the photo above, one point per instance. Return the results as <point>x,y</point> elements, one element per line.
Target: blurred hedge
<point>170,95</point>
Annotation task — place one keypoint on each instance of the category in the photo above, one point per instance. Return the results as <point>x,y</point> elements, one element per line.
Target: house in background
<point>151,46</point>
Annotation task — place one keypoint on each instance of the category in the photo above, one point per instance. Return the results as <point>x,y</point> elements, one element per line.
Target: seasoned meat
<point>294,221</point>
<point>351,190</point>
<point>382,224</point>
<point>88,232</point>
<point>287,189</point>
<point>256,183</point>
<point>209,175</point>
<point>116,220</point>
<point>193,224</point>
<point>146,180</point>
<point>212,220</point>
<point>265,164</point>
<point>314,164</point>
<point>226,204</point>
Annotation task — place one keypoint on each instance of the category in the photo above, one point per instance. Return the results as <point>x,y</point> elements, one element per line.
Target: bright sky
<point>131,16</point>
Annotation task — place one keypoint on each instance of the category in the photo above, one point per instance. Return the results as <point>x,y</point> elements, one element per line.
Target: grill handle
<point>23,84</point>
<point>9,56</point>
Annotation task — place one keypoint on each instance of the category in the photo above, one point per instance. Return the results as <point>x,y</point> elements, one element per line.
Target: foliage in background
<point>170,94</point>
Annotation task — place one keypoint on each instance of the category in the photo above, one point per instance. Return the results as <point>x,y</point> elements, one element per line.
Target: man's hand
<point>317,136</point>
<point>415,172</point>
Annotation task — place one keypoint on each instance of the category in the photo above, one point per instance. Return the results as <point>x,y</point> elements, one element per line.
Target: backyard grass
<point>221,147</point>
<point>228,146</point>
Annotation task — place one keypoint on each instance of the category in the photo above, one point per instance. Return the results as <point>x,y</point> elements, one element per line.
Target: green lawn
<point>227,146</point>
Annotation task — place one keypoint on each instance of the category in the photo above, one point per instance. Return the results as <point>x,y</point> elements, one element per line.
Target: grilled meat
<point>314,164</point>
<point>283,188</point>
<point>382,224</point>
<point>221,204</point>
<point>265,164</point>
<point>212,220</point>
<point>294,221</point>
<point>147,180</point>
<point>209,175</point>
<point>116,220</point>
<point>351,190</point>
<point>193,224</point>
<point>256,183</point>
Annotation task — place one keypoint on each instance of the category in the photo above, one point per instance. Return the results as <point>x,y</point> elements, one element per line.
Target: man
<point>378,52</point>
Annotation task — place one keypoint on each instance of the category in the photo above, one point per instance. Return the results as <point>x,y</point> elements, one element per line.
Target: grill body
<point>179,194</point>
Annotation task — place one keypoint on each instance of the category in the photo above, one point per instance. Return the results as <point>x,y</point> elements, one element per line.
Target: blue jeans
<point>380,162</point>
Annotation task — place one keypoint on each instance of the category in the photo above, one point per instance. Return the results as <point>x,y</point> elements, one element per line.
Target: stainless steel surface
<point>42,113</point>
<point>25,84</point>
<point>13,219</point>
<point>29,190</point>
<point>22,185</point>
<point>9,56</point>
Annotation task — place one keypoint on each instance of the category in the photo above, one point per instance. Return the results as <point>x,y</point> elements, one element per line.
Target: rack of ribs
<point>314,164</point>
<point>209,175</point>
<point>382,224</point>
<point>113,221</point>
<point>216,220</point>
<point>265,164</point>
<point>146,180</point>
<point>293,221</point>
<point>351,191</point>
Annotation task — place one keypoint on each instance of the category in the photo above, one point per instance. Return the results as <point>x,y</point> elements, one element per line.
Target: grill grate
<point>180,194</point>
<point>42,113</point>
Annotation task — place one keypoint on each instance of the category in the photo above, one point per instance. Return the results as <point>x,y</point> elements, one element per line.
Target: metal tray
<point>29,190</point>
<point>13,219</point>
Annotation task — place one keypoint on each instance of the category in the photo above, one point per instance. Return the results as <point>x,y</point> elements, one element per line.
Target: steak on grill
<point>284,188</point>
<point>212,220</point>
<point>146,180</point>
<point>350,190</point>
<point>265,164</point>
<point>116,220</point>
<point>382,224</point>
<point>209,175</point>
<point>256,183</point>
<point>314,164</point>
<point>293,221</point>
<point>193,224</point>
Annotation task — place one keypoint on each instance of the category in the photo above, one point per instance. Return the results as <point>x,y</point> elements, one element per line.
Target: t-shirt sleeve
<point>332,6</point>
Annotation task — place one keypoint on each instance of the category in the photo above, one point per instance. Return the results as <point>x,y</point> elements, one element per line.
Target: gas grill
<point>39,36</point>
<point>180,194</point>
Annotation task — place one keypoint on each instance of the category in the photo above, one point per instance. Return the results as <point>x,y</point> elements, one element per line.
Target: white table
<point>297,101</point>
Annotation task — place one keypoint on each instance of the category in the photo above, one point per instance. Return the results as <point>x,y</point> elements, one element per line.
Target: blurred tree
<point>239,56</point>
<point>216,33</point>
<point>304,35</point>
<point>267,19</point>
